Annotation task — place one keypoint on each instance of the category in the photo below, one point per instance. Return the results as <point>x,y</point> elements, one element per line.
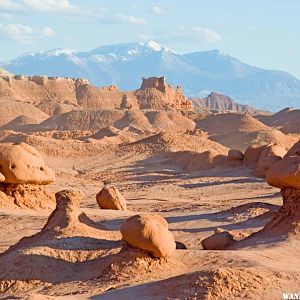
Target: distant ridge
<point>198,73</point>
<point>221,103</point>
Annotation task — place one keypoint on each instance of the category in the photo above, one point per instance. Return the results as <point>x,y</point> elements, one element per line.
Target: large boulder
<point>111,198</point>
<point>21,163</point>
<point>217,241</point>
<point>234,158</point>
<point>234,154</point>
<point>150,233</point>
<point>252,154</point>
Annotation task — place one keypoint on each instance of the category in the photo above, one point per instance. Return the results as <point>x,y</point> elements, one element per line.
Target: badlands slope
<point>164,159</point>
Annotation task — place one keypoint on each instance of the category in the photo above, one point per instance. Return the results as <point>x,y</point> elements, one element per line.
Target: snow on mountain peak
<point>58,52</point>
<point>153,45</point>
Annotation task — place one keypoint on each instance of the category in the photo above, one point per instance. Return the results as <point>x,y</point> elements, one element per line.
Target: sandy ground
<point>194,205</point>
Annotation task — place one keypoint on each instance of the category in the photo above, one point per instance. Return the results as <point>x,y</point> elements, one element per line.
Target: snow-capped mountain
<point>198,73</point>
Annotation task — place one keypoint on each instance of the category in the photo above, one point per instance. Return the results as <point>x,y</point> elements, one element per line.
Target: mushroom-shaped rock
<point>111,198</point>
<point>21,163</point>
<point>269,155</point>
<point>217,241</point>
<point>150,233</point>
<point>285,173</point>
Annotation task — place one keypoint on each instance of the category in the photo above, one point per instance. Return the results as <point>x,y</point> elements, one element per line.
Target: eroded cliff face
<point>156,93</point>
<point>48,94</point>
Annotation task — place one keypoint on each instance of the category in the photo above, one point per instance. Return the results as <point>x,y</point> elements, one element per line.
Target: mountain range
<point>198,73</point>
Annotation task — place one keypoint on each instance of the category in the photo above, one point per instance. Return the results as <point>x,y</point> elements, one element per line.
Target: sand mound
<point>241,140</point>
<point>10,111</point>
<point>133,118</point>
<point>169,120</point>
<point>99,119</point>
<point>106,132</point>
<point>195,161</point>
<point>62,108</point>
<point>172,142</point>
<point>71,242</point>
<point>62,148</point>
<point>230,122</point>
<point>82,120</point>
<point>219,283</point>
<point>287,120</point>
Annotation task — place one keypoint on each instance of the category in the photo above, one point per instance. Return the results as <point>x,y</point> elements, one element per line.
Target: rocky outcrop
<point>150,233</point>
<point>156,93</point>
<point>285,175</point>
<point>262,157</point>
<point>269,155</point>
<point>111,198</point>
<point>67,212</point>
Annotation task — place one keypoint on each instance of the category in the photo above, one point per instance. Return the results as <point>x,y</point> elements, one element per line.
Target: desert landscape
<point>144,194</point>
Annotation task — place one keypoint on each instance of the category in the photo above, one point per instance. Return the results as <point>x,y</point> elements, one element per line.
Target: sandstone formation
<point>285,225</point>
<point>150,233</point>
<point>23,175</point>
<point>262,157</point>
<point>67,214</point>
<point>55,95</point>
<point>72,248</point>
<point>217,241</point>
<point>155,93</point>
<point>111,198</point>
<point>268,156</point>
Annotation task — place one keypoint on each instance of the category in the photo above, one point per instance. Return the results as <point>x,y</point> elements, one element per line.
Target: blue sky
<point>265,33</point>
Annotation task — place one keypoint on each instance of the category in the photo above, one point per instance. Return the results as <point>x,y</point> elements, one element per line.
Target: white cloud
<point>157,9</point>
<point>49,5</point>
<point>131,20</point>
<point>6,16</point>
<point>48,32</point>
<point>206,34</point>
<point>9,5</point>
<point>23,33</point>
<point>197,33</point>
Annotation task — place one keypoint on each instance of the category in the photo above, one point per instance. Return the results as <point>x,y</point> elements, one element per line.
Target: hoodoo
<point>23,176</point>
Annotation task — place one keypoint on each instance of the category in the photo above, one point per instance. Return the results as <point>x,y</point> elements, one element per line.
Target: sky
<point>265,33</point>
